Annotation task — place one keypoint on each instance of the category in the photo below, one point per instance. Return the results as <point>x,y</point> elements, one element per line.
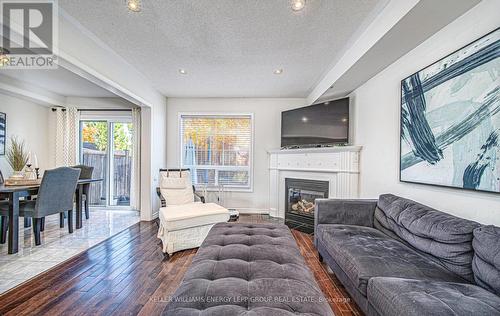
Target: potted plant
<point>17,157</point>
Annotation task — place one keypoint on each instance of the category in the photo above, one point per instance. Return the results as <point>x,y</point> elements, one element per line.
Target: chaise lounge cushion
<point>364,252</point>
<point>396,296</point>
<point>442,237</point>
<point>486,263</point>
<point>248,269</point>
<point>176,187</point>
<point>186,226</point>
<point>177,217</point>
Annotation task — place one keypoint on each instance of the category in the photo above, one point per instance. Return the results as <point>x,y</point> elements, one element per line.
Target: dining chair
<point>3,221</point>
<point>86,173</point>
<point>55,195</point>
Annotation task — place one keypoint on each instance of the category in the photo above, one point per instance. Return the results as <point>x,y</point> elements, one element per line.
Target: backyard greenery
<point>97,133</point>
<point>217,149</point>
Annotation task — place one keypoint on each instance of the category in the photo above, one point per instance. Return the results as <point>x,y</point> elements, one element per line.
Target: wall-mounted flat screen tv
<point>321,124</point>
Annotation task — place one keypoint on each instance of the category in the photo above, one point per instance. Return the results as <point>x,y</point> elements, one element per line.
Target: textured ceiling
<point>229,47</point>
<point>59,81</point>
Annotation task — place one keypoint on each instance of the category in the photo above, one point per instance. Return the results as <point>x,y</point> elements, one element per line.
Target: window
<point>218,149</point>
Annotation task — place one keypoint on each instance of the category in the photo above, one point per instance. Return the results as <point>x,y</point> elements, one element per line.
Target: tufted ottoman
<point>248,269</point>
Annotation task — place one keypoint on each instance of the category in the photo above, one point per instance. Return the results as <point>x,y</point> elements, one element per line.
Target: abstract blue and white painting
<point>450,120</point>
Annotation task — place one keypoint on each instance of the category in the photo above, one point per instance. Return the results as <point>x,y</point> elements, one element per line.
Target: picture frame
<point>450,120</point>
<point>3,132</point>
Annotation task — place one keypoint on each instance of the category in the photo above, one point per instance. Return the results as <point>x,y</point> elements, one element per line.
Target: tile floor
<point>58,245</point>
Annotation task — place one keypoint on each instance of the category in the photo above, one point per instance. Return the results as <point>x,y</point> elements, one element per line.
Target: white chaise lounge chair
<point>185,218</point>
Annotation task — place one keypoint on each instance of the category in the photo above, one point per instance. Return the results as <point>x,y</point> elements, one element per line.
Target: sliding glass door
<point>107,146</point>
<point>121,164</point>
<point>94,148</point>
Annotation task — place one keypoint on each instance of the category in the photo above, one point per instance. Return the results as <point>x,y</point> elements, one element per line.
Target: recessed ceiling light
<point>134,5</point>
<point>305,119</point>
<point>298,5</point>
<point>183,71</point>
<point>278,71</point>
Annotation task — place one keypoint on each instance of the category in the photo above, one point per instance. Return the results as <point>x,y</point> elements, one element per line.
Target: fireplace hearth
<point>300,202</point>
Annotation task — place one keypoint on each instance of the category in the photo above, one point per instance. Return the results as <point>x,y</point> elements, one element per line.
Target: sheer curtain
<point>135,190</point>
<point>67,133</point>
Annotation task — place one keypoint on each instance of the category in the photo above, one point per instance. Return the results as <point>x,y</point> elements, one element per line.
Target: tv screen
<point>325,123</point>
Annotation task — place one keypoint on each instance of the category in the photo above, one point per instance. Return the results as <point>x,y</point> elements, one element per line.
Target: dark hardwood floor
<point>127,275</point>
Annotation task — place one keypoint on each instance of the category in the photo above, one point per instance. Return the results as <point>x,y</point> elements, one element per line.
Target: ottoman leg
<point>166,256</point>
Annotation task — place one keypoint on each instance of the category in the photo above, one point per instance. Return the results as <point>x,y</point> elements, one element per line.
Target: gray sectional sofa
<point>398,257</point>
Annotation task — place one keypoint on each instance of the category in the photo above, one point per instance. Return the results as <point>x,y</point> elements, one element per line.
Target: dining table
<point>14,193</point>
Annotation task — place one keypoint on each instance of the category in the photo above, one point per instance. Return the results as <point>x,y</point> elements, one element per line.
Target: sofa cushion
<point>486,263</point>
<point>444,237</point>
<point>364,252</point>
<point>396,296</point>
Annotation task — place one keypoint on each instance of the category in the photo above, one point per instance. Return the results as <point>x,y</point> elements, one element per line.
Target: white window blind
<point>217,149</point>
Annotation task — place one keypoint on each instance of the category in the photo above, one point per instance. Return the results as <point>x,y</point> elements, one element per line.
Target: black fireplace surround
<point>300,202</point>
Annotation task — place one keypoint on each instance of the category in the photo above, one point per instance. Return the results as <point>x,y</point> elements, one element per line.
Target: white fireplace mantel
<point>337,165</point>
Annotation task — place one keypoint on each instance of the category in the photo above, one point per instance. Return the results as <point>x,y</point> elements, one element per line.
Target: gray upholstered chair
<point>86,173</point>
<point>3,221</point>
<point>55,195</point>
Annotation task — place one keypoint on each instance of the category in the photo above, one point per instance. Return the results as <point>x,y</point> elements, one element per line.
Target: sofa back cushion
<point>445,238</point>
<point>486,262</point>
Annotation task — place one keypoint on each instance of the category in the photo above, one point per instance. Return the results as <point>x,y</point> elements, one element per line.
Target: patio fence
<point>122,162</point>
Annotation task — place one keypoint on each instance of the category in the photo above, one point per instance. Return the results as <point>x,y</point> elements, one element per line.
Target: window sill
<point>226,189</point>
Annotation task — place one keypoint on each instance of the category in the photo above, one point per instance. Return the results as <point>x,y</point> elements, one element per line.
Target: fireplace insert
<point>300,202</point>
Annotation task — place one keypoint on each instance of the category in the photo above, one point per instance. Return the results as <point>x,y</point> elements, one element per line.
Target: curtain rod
<point>105,110</point>
<point>97,110</point>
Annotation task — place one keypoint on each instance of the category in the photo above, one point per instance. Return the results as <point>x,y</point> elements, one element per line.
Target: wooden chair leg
<point>37,225</point>
<point>61,219</point>
<point>42,227</point>
<point>4,225</point>
<point>70,221</point>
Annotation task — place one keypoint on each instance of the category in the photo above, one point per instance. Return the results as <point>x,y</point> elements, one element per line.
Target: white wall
<point>267,117</point>
<point>377,105</point>
<point>159,151</point>
<point>97,103</point>
<point>82,52</point>
<point>29,122</point>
